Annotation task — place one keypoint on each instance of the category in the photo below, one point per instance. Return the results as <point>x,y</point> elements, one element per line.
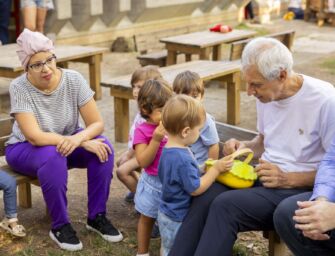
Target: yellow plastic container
<point>242,175</point>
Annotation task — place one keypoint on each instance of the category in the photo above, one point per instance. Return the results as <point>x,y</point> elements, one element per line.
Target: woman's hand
<point>98,147</point>
<point>68,144</point>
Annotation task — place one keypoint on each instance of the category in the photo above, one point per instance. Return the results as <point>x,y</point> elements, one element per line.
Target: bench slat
<point>236,49</point>
<point>6,126</point>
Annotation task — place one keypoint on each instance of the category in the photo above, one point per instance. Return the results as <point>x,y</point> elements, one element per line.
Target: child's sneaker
<point>12,227</point>
<point>104,228</point>
<point>129,198</point>
<point>66,238</point>
<point>155,232</point>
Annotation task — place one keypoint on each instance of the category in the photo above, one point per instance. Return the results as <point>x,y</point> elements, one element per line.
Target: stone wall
<point>100,22</point>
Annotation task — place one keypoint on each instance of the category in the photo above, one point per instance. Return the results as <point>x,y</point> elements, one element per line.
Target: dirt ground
<point>122,214</point>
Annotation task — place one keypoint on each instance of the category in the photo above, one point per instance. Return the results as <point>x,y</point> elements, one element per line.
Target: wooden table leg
<point>233,98</point>
<point>63,65</point>
<point>217,50</point>
<point>121,119</point>
<point>95,75</point>
<point>204,53</point>
<point>188,57</point>
<point>24,194</point>
<point>171,58</point>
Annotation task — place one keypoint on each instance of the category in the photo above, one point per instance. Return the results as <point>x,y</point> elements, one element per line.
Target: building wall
<point>100,22</point>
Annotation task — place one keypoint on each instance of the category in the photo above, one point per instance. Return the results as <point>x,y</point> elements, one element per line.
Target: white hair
<point>269,55</point>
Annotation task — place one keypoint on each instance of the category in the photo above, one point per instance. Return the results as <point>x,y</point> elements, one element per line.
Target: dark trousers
<point>294,239</point>
<point>5,6</point>
<point>215,218</point>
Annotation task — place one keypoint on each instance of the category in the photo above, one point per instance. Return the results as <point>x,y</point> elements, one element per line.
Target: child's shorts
<point>38,3</point>
<point>168,229</point>
<point>148,194</point>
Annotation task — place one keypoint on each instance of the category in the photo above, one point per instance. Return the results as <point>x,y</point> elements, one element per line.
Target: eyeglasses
<point>37,67</point>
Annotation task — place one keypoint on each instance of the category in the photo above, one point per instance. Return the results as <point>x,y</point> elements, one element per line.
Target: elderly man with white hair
<point>295,121</point>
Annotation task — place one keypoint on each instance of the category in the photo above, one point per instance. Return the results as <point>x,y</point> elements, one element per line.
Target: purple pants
<point>51,169</point>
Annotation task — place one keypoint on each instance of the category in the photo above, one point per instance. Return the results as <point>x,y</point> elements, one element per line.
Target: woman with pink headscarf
<point>47,138</point>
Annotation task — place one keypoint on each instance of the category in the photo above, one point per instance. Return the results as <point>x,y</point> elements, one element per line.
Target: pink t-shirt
<point>143,135</point>
<point>137,121</point>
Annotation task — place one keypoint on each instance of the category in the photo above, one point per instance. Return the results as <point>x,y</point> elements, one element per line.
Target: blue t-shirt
<point>179,173</point>
<point>208,137</point>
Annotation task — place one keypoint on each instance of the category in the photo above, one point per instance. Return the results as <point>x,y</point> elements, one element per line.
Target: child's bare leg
<point>125,173</point>
<point>144,228</point>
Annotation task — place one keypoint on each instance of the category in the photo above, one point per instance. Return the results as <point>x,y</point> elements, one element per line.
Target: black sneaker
<point>66,238</point>
<point>105,228</point>
<point>155,232</point>
<point>129,198</point>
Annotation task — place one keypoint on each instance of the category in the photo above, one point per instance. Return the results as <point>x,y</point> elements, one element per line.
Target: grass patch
<point>260,30</point>
<point>239,250</point>
<point>329,64</point>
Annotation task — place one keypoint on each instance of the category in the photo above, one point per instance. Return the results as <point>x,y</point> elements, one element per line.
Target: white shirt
<point>298,130</point>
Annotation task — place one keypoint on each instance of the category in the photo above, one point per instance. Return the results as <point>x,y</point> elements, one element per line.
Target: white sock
<point>143,254</point>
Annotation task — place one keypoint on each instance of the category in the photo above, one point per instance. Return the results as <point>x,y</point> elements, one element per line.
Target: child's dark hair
<point>145,73</point>
<point>153,94</point>
<point>188,83</point>
<point>182,111</point>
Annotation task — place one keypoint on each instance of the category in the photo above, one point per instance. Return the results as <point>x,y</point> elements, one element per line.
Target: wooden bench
<point>4,94</point>
<point>121,89</point>
<point>23,182</point>
<point>226,131</point>
<point>153,58</point>
<point>236,49</point>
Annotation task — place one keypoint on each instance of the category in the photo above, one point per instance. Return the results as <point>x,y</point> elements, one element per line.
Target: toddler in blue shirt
<point>207,145</point>
<point>183,118</point>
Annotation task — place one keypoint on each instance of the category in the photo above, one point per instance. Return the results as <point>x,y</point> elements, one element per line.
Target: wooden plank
<point>206,38</point>
<point>64,53</point>
<point>286,37</point>
<point>227,132</point>
<point>6,126</point>
<point>121,119</point>
<point>24,195</point>
<point>276,246</point>
<point>95,75</point>
<point>207,70</point>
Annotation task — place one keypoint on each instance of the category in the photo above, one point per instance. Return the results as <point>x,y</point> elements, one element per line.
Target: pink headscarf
<point>30,43</point>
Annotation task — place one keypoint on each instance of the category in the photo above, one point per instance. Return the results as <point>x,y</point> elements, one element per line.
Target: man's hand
<point>271,175</point>
<point>314,218</point>
<point>230,146</point>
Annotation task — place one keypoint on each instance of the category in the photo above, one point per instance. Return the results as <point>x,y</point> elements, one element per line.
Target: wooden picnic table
<point>10,65</point>
<point>121,89</point>
<point>201,43</point>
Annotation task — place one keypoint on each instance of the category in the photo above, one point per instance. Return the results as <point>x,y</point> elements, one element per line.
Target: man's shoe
<point>104,228</point>
<point>66,238</point>
<point>155,232</point>
<point>129,198</point>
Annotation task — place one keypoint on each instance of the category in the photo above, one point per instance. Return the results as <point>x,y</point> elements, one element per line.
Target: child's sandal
<point>17,230</point>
